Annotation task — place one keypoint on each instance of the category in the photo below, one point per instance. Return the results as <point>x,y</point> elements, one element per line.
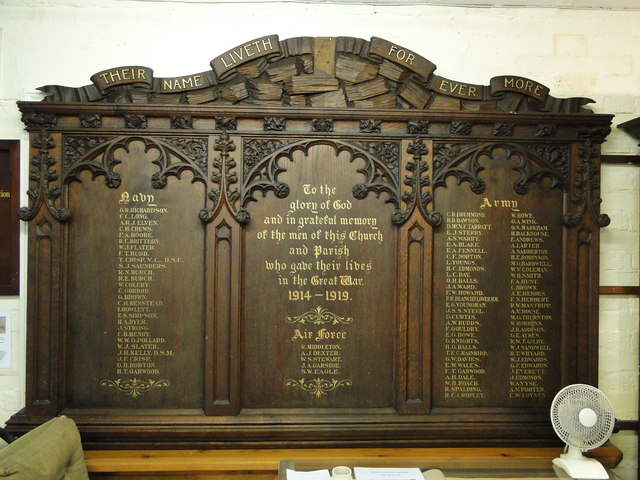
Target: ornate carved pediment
<point>341,72</point>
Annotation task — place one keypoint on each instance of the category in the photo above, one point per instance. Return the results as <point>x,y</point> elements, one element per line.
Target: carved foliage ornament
<point>587,185</point>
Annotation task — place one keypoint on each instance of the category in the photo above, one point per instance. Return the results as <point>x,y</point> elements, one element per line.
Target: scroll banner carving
<point>383,49</point>
<point>318,242</point>
<point>141,77</point>
<point>521,85</point>
<point>416,88</point>
<point>227,63</point>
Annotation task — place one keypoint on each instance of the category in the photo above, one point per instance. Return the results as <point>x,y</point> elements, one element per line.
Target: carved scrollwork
<point>44,181</point>
<point>587,184</point>
<point>318,386</point>
<point>419,194</point>
<point>319,316</point>
<point>134,387</point>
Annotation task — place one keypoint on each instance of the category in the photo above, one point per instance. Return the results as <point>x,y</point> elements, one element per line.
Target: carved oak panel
<point>317,242</point>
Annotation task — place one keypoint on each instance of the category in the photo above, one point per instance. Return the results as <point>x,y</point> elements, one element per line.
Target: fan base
<point>582,468</point>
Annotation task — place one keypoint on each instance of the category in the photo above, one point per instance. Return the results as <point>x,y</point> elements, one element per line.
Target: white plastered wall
<point>591,53</point>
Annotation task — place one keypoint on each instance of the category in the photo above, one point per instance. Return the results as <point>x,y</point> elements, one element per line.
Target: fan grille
<point>565,410</point>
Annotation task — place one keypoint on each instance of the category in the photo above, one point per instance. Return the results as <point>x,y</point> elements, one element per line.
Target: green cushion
<point>52,451</point>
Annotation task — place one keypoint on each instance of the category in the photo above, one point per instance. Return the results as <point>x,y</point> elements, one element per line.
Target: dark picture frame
<point>9,222</point>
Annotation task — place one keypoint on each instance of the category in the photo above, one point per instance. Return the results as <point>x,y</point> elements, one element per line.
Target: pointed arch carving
<point>329,174</point>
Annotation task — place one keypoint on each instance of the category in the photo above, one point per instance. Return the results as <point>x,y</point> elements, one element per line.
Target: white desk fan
<point>582,417</point>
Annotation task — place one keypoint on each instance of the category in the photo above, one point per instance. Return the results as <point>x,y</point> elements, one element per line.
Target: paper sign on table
<point>363,473</point>
<point>314,475</point>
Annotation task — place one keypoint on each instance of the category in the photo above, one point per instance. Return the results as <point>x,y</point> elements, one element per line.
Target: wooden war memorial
<point>317,242</point>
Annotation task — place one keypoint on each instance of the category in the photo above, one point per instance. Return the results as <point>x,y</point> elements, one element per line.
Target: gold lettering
<point>114,75</point>
<point>179,83</point>
<point>401,54</point>
<point>512,204</point>
<point>123,74</point>
<point>524,85</point>
<point>456,88</point>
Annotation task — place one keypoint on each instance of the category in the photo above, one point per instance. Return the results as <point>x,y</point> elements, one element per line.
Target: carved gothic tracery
<point>309,198</point>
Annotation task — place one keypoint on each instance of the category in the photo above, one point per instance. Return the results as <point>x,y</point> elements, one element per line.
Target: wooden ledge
<point>195,462</point>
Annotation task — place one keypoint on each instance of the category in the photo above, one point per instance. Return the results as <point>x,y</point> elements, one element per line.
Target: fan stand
<point>578,466</point>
